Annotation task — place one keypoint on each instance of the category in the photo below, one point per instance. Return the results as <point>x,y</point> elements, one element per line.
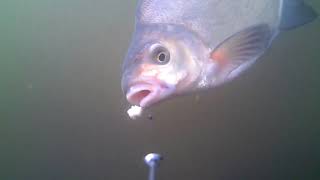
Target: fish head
<point>161,62</point>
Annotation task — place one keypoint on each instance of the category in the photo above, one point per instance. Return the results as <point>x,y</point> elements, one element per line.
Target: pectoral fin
<point>242,48</point>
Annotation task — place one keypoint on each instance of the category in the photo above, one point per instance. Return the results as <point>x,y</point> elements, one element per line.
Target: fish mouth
<point>144,94</point>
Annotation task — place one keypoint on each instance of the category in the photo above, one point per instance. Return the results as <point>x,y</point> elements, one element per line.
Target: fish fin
<point>296,13</point>
<point>242,48</point>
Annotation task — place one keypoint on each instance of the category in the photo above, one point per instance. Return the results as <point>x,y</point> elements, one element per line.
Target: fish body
<point>183,46</point>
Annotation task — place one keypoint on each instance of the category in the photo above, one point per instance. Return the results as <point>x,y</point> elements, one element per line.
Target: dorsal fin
<point>296,13</point>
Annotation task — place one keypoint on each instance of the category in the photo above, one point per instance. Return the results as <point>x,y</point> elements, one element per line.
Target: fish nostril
<point>137,97</point>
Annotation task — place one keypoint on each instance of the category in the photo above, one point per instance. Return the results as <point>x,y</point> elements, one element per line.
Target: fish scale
<point>212,20</point>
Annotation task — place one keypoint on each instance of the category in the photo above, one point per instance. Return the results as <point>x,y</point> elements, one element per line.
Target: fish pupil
<point>162,57</point>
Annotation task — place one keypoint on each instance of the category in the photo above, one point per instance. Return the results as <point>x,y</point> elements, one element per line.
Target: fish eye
<point>160,55</point>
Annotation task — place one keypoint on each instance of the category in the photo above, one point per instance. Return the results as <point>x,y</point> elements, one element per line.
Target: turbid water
<point>63,115</point>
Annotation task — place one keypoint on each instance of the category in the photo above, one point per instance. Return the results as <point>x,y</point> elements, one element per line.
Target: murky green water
<point>62,113</point>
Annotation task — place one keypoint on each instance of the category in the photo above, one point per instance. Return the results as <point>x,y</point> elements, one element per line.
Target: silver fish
<point>181,46</point>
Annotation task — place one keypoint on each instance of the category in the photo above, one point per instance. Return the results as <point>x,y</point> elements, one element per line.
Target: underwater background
<point>63,115</point>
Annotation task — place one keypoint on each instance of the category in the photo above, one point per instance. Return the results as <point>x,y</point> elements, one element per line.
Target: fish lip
<point>136,88</point>
<point>157,91</point>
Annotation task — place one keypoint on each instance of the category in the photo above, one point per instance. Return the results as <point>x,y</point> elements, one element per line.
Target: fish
<point>184,46</point>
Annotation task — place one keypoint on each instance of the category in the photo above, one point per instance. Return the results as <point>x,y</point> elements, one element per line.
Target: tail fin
<point>296,13</point>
